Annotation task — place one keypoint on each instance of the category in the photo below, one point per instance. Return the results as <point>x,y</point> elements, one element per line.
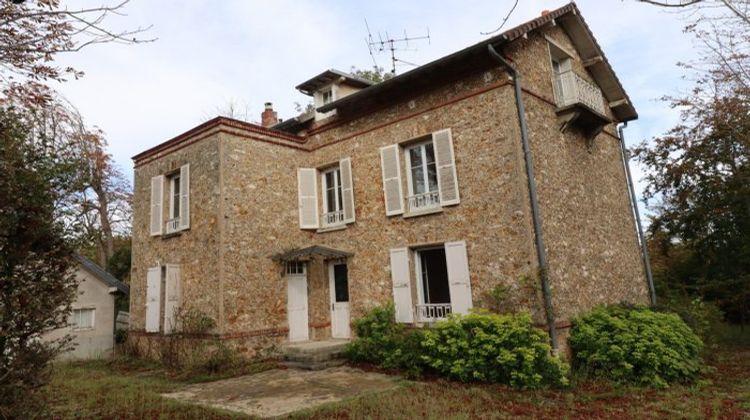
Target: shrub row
<point>628,345</point>
<point>635,345</point>
<point>480,347</point>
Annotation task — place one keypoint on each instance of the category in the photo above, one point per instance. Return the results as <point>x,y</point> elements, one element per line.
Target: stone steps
<point>314,355</point>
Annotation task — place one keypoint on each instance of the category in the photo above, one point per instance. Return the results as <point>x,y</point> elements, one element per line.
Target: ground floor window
<point>433,286</point>
<point>83,319</point>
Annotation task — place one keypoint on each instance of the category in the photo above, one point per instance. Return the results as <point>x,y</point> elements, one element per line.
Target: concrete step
<point>314,355</point>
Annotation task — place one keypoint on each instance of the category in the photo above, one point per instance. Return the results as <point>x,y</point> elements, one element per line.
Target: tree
<point>722,31</point>
<point>37,284</point>
<point>34,32</point>
<point>698,176</point>
<point>375,74</point>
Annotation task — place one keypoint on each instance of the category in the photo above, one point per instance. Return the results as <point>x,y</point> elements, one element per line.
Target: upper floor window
<point>333,197</point>
<point>174,197</point>
<point>176,200</point>
<point>337,195</point>
<point>431,180</point>
<point>422,176</point>
<point>327,96</point>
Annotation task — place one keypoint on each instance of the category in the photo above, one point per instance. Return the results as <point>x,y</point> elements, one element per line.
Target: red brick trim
<point>334,124</point>
<point>218,121</point>
<point>187,138</point>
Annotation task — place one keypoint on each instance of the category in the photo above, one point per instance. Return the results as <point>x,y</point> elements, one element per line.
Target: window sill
<point>425,212</point>
<point>173,234</point>
<point>82,329</point>
<point>331,228</point>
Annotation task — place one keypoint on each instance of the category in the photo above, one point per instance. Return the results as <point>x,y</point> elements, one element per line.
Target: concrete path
<point>283,391</point>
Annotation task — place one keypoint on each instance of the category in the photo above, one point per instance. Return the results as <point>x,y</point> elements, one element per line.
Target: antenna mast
<point>391,45</point>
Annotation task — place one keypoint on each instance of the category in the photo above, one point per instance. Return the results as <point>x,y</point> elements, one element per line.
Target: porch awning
<point>304,254</point>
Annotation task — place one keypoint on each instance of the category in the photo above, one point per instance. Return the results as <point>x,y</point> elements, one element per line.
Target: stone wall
<point>244,208</point>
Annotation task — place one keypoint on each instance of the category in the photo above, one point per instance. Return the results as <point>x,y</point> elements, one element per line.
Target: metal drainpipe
<point>634,204</point>
<point>535,213</point>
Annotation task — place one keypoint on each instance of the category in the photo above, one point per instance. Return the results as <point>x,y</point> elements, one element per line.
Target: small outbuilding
<point>93,315</point>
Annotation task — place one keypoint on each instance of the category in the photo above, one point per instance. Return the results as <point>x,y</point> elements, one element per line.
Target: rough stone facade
<point>244,208</point>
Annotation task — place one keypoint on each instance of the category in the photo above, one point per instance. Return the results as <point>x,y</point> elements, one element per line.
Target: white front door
<point>297,306</point>
<point>339,291</point>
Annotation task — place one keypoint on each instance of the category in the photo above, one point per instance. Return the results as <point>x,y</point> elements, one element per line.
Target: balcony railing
<point>571,89</point>
<point>172,225</point>
<point>332,218</point>
<point>427,312</point>
<point>424,201</point>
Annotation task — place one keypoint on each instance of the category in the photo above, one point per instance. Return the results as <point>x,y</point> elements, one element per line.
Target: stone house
<point>429,189</point>
<point>92,319</point>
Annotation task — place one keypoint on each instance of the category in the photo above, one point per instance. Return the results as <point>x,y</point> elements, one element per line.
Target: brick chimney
<point>269,117</point>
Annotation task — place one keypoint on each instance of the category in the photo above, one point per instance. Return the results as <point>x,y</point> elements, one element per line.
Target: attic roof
<point>102,275</point>
<point>330,76</point>
<point>476,58</point>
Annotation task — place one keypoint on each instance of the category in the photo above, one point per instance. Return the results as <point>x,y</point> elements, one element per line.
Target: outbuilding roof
<point>102,275</point>
<point>476,58</point>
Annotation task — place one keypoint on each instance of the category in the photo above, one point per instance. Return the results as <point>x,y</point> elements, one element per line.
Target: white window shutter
<point>401,285</point>
<point>347,189</point>
<point>153,298</point>
<point>171,298</point>
<point>446,167</point>
<point>307,190</point>
<point>391,165</point>
<point>459,283</point>
<point>157,200</point>
<point>185,196</point>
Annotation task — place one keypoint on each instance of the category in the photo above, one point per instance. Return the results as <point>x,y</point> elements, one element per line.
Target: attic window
<point>327,96</point>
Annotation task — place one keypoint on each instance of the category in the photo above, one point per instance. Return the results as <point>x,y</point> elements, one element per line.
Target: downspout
<point>634,205</point>
<point>535,213</point>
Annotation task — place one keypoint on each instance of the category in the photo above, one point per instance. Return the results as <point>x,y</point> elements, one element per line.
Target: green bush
<point>486,347</point>
<point>704,318</point>
<point>635,345</point>
<point>382,341</point>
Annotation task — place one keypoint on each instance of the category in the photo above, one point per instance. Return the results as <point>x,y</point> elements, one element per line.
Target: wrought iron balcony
<point>580,103</point>
<point>429,312</point>
<point>172,225</point>
<point>424,201</point>
<point>332,218</point>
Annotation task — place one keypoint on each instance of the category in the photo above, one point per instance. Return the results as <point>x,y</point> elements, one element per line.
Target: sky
<point>207,54</point>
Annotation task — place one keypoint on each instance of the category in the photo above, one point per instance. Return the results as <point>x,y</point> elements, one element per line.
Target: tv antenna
<point>384,43</point>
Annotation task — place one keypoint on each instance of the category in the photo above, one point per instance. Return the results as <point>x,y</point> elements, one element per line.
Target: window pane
<point>417,180</point>
<point>330,200</point>
<point>432,177</point>
<point>341,283</point>
<point>430,152</point>
<point>415,156</point>
<point>340,195</point>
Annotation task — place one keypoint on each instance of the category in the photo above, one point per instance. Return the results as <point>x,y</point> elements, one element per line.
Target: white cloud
<point>255,51</point>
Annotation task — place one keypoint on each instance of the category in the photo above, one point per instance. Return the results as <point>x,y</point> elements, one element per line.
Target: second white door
<point>339,291</point>
<point>297,307</point>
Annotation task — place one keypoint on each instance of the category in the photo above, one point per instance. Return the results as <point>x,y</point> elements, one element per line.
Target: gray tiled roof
<point>102,275</point>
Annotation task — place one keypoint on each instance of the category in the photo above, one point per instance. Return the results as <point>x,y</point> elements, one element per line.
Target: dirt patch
<point>282,391</point>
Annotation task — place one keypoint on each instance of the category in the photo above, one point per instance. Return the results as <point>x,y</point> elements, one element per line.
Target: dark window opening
<point>434,272</point>
<point>341,283</point>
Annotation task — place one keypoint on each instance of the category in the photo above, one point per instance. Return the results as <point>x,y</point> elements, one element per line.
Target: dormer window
<point>327,96</point>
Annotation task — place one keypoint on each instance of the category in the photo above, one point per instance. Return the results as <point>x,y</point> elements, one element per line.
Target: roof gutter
<point>535,212</point>
<point>636,212</point>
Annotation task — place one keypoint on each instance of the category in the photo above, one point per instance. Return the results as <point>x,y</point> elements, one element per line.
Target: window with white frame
<point>173,192</point>
<point>422,176</point>
<point>327,96</point>
<point>334,185</point>
<point>431,180</point>
<point>83,319</point>
<point>333,200</point>
<point>295,267</point>
<point>433,290</point>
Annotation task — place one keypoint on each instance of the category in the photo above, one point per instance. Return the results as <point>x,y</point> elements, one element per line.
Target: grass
<point>127,390</point>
